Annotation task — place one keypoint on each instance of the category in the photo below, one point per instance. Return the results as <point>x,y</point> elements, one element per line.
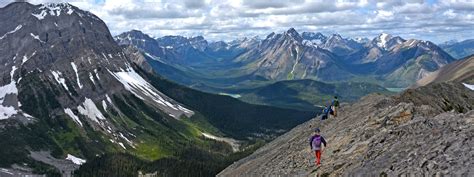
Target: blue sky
<point>435,20</point>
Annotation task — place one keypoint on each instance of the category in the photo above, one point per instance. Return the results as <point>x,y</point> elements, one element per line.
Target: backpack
<point>336,103</point>
<point>326,110</point>
<point>316,142</point>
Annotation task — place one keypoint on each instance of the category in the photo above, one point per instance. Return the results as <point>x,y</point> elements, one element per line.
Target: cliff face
<point>414,132</point>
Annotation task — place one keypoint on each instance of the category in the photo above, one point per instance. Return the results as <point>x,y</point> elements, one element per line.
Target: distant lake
<point>396,89</point>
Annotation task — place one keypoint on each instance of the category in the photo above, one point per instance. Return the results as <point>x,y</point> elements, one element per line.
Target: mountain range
<point>387,60</point>
<point>251,64</point>
<point>459,49</point>
<point>69,95</point>
<point>75,100</point>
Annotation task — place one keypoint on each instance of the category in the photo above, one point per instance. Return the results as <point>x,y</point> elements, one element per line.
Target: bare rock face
<point>71,53</point>
<point>379,135</point>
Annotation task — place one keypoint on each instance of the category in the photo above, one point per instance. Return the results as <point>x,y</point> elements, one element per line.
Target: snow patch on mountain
<point>8,111</point>
<point>127,140</point>
<point>57,76</point>
<point>75,160</point>
<point>104,105</point>
<point>469,86</point>
<point>73,116</point>
<point>53,9</point>
<point>25,58</point>
<point>138,86</point>
<point>121,145</point>
<point>36,37</point>
<point>108,98</point>
<point>91,78</point>
<point>361,40</point>
<point>11,32</point>
<point>297,59</point>
<point>74,67</point>
<point>383,39</point>
<point>96,74</point>
<point>90,110</point>
<point>118,143</point>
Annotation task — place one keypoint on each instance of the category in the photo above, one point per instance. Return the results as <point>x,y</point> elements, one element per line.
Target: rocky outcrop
<point>379,135</point>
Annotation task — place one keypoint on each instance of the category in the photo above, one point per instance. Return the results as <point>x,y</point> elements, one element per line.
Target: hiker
<point>335,106</point>
<point>315,142</point>
<point>326,111</point>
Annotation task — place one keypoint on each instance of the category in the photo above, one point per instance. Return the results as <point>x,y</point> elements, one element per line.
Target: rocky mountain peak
<point>292,33</point>
<point>335,37</point>
<point>313,39</point>
<point>74,53</point>
<point>382,39</point>
<point>271,35</point>
<point>311,36</point>
<point>133,36</point>
<point>198,43</point>
<point>197,38</point>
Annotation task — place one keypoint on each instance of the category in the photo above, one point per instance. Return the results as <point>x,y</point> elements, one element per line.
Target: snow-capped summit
<point>361,40</point>
<point>382,40</point>
<point>53,9</point>
<point>386,41</point>
<point>313,39</point>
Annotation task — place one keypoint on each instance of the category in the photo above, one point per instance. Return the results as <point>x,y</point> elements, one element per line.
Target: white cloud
<point>228,19</point>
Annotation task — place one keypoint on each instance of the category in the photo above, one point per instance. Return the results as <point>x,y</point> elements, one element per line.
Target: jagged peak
<point>312,35</point>
<point>335,36</point>
<point>133,34</point>
<point>292,32</point>
<point>382,39</point>
<point>271,35</point>
<point>198,38</point>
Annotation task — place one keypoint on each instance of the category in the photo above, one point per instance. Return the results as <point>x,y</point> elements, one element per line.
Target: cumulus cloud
<point>270,4</point>
<point>434,20</point>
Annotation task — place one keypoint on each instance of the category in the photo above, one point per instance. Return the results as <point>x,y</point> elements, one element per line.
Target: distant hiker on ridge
<point>326,111</point>
<point>335,105</point>
<point>315,142</point>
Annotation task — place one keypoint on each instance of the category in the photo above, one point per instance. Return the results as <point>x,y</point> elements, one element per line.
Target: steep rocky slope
<point>426,130</point>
